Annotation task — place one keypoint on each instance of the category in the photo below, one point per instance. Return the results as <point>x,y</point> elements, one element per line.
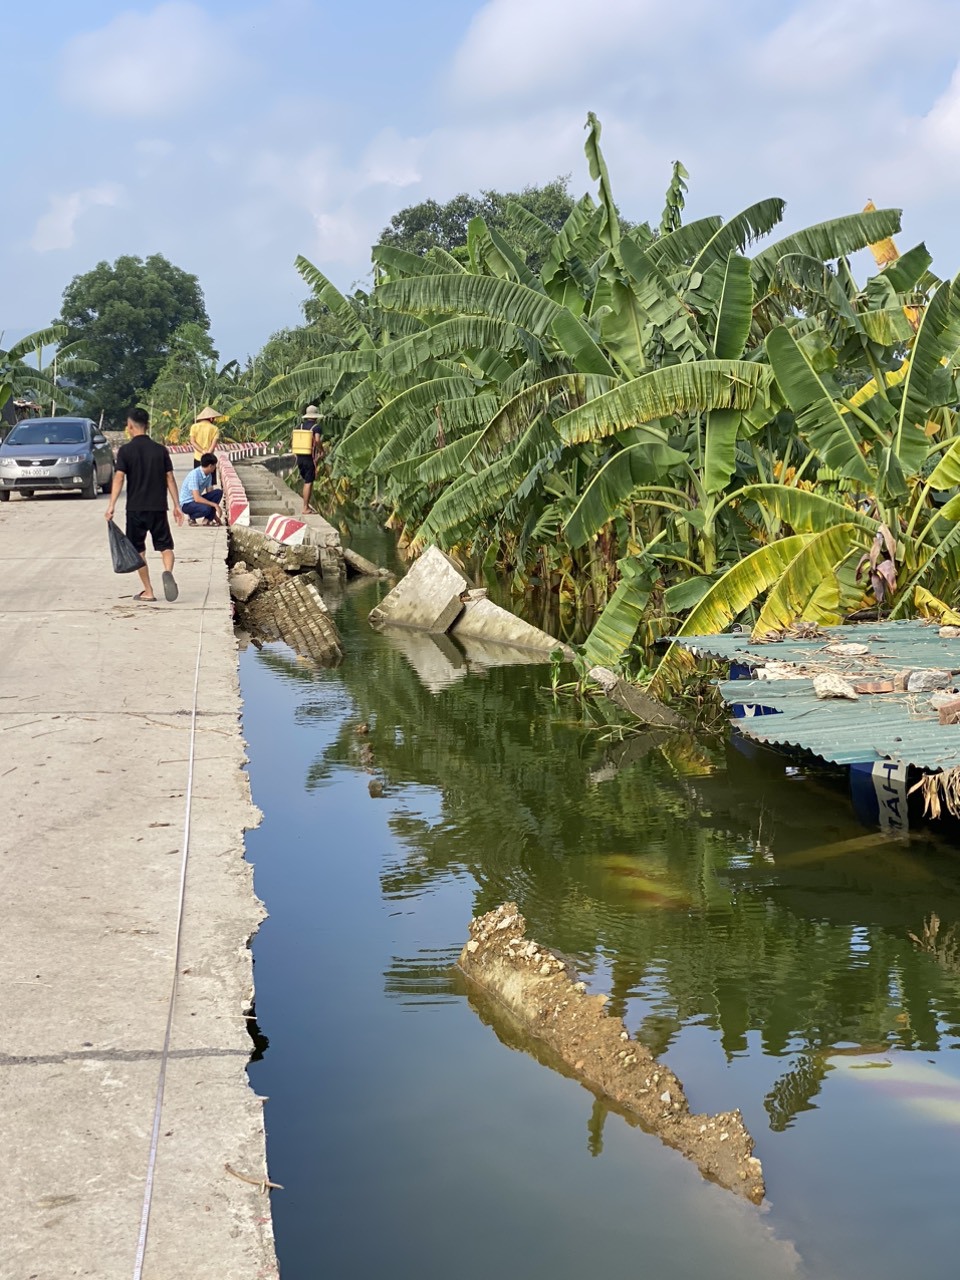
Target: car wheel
<point>105,488</point>
<point>4,495</point>
<point>89,490</point>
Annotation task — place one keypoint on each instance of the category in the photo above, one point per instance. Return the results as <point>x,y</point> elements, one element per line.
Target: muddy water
<point>749,930</point>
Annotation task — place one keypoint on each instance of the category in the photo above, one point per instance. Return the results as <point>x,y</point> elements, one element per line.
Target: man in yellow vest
<point>308,450</point>
<point>204,434</point>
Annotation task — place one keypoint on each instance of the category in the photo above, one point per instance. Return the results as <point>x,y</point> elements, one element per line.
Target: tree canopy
<point>123,317</point>
<point>429,225</point>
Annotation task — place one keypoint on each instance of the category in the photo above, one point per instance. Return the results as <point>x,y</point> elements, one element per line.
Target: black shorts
<point>307,468</point>
<point>140,523</point>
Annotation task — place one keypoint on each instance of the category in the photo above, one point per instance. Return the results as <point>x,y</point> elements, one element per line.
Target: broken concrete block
<point>829,685</point>
<point>427,596</point>
<point>244,582</point>
<point>361,566</point>
<point>481,619</point>
<point>926,680</point>
<point>949,712</point>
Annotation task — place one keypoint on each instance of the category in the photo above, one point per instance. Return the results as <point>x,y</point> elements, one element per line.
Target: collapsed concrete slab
<point>483,620</point>
<point>538,992</point>
<point>435,596</point>
<point>261,552</point>
<point>427,597</point>
<point>359,566</point>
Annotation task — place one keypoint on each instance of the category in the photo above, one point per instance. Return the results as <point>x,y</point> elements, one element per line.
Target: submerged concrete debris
<point>539,992</point>
<point>359,566</point>
<point>628,697</point>
<point>436,596</point>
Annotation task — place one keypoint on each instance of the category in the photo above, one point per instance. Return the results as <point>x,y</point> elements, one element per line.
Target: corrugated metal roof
<point>893,646</point>
<point>895,726</point>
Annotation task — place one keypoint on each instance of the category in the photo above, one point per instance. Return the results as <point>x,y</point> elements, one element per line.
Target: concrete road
<point>95,700</point>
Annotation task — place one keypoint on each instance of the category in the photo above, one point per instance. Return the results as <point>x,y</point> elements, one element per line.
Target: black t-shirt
<point>145,464</point>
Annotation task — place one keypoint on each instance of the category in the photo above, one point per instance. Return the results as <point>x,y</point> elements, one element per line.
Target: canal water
<point>748,929</point>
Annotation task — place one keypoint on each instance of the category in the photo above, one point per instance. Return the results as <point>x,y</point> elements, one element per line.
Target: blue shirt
<point>197,479</point>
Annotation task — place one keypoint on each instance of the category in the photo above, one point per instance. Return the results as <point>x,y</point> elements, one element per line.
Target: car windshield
<point>65,432</point>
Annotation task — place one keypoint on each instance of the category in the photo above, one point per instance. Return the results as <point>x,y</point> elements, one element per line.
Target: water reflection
<point>692,881</point>
<point>745,926</point>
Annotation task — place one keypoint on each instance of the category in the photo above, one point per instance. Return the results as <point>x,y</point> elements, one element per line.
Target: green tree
<point>430,225</point>
<point>123,317</point>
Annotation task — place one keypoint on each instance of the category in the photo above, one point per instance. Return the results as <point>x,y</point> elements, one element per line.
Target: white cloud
<point>940,128</point>
<point>159,63</point>
<point>522,48</point>
<point>57,228</point>
<point>826,46</point>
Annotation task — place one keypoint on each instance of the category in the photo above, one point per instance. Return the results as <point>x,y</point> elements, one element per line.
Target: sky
<point>232,135</point>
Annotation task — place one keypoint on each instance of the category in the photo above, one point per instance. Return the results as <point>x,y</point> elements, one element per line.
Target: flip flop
<point>170,588</point>
<point>142,598</point>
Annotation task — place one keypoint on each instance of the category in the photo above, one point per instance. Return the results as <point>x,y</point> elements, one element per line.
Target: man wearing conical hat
<point>308,450</point>
<point>204,434</point>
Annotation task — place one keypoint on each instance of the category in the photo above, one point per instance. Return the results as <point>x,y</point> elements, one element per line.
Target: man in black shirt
<point>148,471</point>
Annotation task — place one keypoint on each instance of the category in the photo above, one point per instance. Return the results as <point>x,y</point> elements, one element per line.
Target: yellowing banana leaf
<point>739,587</point>
<point>809,587</point>
<point>614,631</point>
<point>930,606</point>
<point>804,511</point>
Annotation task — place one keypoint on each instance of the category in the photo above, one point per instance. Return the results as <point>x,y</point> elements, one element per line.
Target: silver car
<point>62,454</point>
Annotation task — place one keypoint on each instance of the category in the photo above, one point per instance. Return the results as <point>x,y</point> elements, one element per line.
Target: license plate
<point>35,471</point>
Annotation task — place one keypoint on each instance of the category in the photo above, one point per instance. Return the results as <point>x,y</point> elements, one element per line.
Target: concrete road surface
<point>95,701</point>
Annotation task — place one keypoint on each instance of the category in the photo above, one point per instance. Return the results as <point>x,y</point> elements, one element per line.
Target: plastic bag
<point>126,557</point>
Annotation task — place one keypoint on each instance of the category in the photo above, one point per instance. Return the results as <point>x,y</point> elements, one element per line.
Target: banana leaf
<point>735,313</point>
<point>470,295</point>
<point>693,387</point>
<point>827,240</point>
<point>644,463</point>
<point>739,587</point>
<point>830,433</point>
<point>809,586</point>
<point>937,338</point>
<point>614,631</point>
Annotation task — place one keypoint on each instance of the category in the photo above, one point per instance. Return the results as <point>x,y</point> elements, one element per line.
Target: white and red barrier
<point>234,495</point>
<point>287,530</point>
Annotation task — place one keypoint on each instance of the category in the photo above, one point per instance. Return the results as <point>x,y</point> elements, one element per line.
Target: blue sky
<point>233,136</point>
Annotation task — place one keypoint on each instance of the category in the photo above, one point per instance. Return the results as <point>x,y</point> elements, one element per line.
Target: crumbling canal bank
<point>540,996</point>
<point>96,702</point>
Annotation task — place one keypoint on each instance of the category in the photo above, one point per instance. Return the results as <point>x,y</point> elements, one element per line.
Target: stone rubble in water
<point>538,991</point>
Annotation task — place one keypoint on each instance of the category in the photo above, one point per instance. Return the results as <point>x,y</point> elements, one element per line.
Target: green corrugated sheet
<point>895,726</point>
